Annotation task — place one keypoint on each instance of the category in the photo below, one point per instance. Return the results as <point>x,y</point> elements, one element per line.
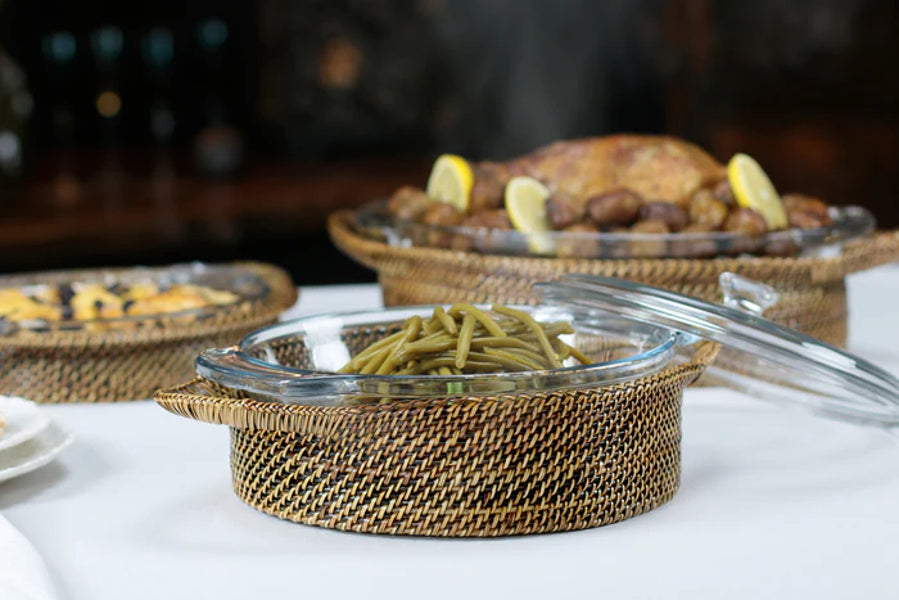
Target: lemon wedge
<point>752,189</point>
<point>526,206</point>
<point>451,181</point>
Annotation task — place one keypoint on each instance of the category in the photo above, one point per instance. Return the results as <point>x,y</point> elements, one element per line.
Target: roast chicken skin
<point>658,168</point>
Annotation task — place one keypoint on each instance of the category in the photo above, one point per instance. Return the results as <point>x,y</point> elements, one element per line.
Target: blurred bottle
<point>15,108</point>
<point>218,147</point>
<point>59,50</point>
<point>107,44</point>
<point>158,53</point>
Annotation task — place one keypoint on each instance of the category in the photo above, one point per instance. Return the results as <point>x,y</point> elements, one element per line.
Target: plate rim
<point>62,439</point>
<point>41,423</point>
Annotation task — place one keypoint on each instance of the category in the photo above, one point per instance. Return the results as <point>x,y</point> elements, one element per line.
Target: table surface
<point>773,503</point>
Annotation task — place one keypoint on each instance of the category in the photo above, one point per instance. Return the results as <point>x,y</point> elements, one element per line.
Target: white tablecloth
<point>773,504</point>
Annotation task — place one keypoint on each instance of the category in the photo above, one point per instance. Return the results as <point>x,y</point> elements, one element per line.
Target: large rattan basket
<point>117,365</point>
<point>456,467</point>
<point>812,290</point>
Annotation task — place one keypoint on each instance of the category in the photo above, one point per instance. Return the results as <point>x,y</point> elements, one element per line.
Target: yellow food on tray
<point>181,297</point>
<point>466,339</point>
<point>17,306</point>
<point>94,301</point>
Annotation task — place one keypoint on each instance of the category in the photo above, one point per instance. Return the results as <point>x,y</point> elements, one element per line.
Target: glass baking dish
<point>484,454</point>
<point>296,362</point>
<point>849,222</point>
<point>246,284</point>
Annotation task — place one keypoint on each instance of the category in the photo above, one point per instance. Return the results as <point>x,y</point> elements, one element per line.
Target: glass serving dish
<point>296,362</point>
<point>849,222</point>
<point>246,284</point>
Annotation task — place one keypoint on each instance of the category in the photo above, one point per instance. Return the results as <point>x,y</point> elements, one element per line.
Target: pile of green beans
<point>465,339</point>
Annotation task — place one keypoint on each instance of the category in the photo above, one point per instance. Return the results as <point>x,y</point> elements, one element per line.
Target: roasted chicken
<point>657,168</point>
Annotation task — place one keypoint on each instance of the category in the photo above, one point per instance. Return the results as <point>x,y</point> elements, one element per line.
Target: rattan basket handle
<point>871,251</point>
<point>202,400</point>
<point>704,353</point>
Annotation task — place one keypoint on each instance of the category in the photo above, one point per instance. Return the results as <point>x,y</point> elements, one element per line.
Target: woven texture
<point>812,290</point>
<point>112,366</point>
<point>462,467</point>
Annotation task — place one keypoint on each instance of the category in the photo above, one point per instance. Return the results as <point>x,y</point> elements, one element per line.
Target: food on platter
<point>78,302</point>
<point>600,188</point>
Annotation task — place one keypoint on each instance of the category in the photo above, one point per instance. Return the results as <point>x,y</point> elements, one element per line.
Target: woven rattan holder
<point>812,290</point>
<point>461,467</point>
<point>112,366</point>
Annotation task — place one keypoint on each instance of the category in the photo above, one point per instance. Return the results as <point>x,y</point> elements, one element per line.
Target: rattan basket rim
<point>856,255</point>
<point>282,295</point>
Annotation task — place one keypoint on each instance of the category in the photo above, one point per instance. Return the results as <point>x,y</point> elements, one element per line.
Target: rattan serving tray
<point>482,466</point>
<point>812,289</point>
<point>85,364</point>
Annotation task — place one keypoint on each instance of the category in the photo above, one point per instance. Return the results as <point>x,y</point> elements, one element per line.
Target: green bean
<point>583,358</point>
<point>503,342</point>
<point>440,334</point>
<point>369,351</point>
<point>410,332</point>
<point>488,323</point>
<point>535,327</point>
<point>486,356</point>
<point>562,349</point>
<point>448,324</point>
<point>471,365</point>
<point>536,357</point>
<point>375,362</point>
<point>552,329</point>
<point>445,371</point>
<point>521,331</point>
<point>464,343</point>
<point>426,347</point>
<point>431,326</point>
<point>515,359</point>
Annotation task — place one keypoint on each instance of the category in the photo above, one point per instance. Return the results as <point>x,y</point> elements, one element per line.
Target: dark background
<point>158,132</point>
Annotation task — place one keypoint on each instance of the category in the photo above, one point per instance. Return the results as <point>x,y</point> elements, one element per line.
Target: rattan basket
<point>812,290</point>
<point>456,467</point>
<point>117,365</point>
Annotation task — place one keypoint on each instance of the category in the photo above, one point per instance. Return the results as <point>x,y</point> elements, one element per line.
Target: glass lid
<point>759,357</point>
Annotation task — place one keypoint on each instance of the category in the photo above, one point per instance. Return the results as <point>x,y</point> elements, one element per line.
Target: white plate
<point>24,420</point>
<point>35,453</point>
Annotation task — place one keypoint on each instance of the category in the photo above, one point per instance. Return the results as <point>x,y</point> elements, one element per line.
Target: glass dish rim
<point>850,222</point>
<point>671,340</point>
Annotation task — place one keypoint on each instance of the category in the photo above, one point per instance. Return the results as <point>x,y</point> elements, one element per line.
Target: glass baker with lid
<point>507,453</point>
